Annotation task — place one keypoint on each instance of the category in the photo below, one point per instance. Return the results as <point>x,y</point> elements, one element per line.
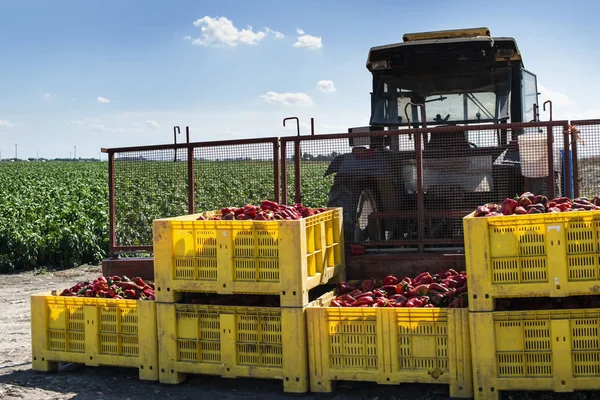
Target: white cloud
<point>277,34</point>
<point>288,99</point>
<point>6,124</point>
<point>219,32</point>
<point>308,41</point>
<point>558,99</point>
<point>326,86</point>
<point>103,100</point>
<point>187,38</point>
<point>47,96</point>
<point>152,124</point>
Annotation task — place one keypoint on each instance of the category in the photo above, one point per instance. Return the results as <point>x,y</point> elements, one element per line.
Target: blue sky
<point>118,73</point>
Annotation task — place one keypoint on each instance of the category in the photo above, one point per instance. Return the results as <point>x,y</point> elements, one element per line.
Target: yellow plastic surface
<point>389,346</point>
<point>555,350</point>
<point>555,255</point>
<point>286,258</point>
<point>233,341</point>
<point>94,332</point>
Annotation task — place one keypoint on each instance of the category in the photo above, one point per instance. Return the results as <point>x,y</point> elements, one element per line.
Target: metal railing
<point>416,184</point>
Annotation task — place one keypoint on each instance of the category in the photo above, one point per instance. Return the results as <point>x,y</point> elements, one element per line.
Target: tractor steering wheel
<point>438,118</point>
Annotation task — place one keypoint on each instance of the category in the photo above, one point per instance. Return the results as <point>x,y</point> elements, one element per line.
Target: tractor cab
<point>459,77</point>
<point>433,79</point>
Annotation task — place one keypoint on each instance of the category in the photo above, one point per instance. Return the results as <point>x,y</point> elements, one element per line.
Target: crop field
<point>56,214</point>
<point>145,190</point>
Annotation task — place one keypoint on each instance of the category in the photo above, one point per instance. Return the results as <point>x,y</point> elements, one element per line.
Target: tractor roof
<point>430,42</point>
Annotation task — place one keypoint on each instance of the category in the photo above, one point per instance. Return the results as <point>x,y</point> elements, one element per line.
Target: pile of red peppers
<point>267,211</point>
<point>529,203</point>
<point>446,289</point>
<point>114,287</point>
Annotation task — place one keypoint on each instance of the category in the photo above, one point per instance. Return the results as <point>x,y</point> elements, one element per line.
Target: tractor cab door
<point>529,96</point>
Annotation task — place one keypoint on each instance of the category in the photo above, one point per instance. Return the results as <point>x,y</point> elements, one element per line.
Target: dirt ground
<point>18,381</point>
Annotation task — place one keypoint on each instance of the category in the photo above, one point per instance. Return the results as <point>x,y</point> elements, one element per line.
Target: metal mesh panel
<point>587,149</point>
<point>233,175</point>
<point>147,185</point>
<point>375,178</point>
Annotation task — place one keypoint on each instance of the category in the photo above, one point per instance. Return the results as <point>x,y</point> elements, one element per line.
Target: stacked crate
<point>281,258</point>
<point>94,332</point>
<point>533,256</point>
<point>389,346</point>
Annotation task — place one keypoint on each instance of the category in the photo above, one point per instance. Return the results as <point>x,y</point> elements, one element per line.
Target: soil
<point>18,381</point>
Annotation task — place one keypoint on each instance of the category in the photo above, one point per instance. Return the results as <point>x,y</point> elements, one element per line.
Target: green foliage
<point>56,214</point>
<point>52,214</point>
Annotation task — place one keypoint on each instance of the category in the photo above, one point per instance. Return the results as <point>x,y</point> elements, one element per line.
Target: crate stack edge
<point>528,256</point>
<point>389,346</point>
<point>94,332</point>
<point>281,258</point>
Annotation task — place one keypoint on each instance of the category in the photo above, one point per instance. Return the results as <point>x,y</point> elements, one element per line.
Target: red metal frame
<point>114,248</point>
<point>418,134</point>
<point>369,264</point>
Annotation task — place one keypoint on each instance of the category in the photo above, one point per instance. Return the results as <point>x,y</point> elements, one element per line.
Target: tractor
<point>436,79</point>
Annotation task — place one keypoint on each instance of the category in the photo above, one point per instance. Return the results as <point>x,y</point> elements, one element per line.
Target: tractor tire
<point>349,198</point>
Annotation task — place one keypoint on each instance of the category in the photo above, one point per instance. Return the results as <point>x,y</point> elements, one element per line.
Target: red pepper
<point>438,287</point>
<point>129,294</point>
<point>355,293</point>
<point>335,303</point>
<point>368,285</point>
<point>389,289</point>
<point>450,283</point>
<point>436,298</point>
<point>520,211</point>
<point>456,303</point>
<point>89,293</point>
<point>403,287</point>
<point>347,299</point>
<point>343,287</point>
<point>423,279</point>
<point>509,206</point>
<point>148,292</point>
<point>428,306</point>
<point>420,290</point>
<point>363,295</point>
<point>100,286</point>
<point>367,300</point>
<point>461,289</point>
<point>379,293</point>
<point>382,302</point>
<point>482,211</point>
<point>127,285</point>
<point>269,205</point>
<point>415,302</point>
<point>390,280</point>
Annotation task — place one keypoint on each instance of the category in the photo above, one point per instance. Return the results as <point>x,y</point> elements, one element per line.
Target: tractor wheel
<point>358,202</point>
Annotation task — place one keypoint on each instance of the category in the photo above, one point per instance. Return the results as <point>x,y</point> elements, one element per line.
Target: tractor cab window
<point>461,106</point>
<point>529,95</point>
<point>468,98</point>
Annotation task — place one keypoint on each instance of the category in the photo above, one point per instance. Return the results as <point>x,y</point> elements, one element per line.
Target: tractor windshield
<point>448,99</point>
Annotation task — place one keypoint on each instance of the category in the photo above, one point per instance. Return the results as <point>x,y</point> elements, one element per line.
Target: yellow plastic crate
<point>285,258</point>
<point>389,346</point>
<point>94,332</point>
<point>546,255</point>
<point>557,350</point>
<point>233,341</point>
